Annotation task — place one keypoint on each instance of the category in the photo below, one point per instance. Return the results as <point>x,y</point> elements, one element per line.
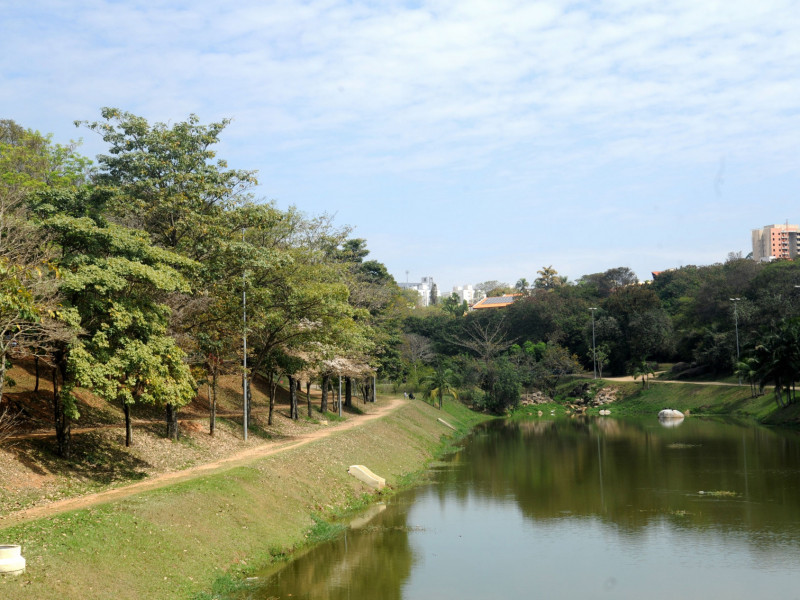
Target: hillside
<point>31,474</point>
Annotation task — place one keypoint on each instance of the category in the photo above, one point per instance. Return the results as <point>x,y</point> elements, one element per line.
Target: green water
<point>578,509</point>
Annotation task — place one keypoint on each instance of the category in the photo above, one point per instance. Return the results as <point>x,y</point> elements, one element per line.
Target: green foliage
<point>167,179</point>
<point>502,386</point>
<point>777,360</point>
<point>114,285</point>
<point>548,279</point>
<point>452,305</point>
<point>441,381</point>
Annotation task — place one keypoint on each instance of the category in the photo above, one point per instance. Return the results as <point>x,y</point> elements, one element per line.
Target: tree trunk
<point>293,414</point>
<point>323,406</point>
<point>172,422</point>
<point>63,437</point>
<point>2,375</point>
<point>128,429</point>
<point>272,384</point>
<point>36,367</point>
<point>213,420</point>
<point>308,397</point>
<point>348,392</point>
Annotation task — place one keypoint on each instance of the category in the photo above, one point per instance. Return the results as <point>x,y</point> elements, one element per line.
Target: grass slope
<point>697,399</point>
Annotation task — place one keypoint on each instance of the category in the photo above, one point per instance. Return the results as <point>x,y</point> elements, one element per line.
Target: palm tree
<point>441,381</point>
<point>644,370</point>
<point>747,368</point>
<point>522,286</point>
<point>779,360</point>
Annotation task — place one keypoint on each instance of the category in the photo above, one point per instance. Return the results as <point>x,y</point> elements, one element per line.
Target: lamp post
<point>594,349</point>
<point>245,403</point>
<point>736,325</point>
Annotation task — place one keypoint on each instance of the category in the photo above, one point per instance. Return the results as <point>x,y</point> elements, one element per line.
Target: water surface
<point>595,508</point>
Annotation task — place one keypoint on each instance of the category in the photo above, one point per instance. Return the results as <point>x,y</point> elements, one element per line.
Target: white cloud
<point>547,105</point>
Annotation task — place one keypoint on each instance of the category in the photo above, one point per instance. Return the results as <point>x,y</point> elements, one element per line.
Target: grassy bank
<point>175,542</point>
<point>703,398</point>
<point>698,399</point>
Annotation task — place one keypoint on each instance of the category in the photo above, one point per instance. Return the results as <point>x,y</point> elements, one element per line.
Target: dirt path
<point>240,458</point>
<point>630,378</point>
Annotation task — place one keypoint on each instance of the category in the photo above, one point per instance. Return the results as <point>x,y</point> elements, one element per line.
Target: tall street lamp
<point>736,324</point>
<point>594,349</point>
<point>245,403</point>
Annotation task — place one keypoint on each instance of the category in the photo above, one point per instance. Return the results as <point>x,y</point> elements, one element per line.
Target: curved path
<point>649,381</point>
<point>240,458</point>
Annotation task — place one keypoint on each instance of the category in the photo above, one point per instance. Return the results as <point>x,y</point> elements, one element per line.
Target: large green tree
<point>114,283</point>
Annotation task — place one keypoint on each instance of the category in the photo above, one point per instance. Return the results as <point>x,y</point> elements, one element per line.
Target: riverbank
<point>704,398</point>
<point>701,398</point>
<point>176,541</point>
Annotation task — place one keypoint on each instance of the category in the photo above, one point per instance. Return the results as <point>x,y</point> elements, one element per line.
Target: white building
<point>427,289</point>
<point>468,293</point>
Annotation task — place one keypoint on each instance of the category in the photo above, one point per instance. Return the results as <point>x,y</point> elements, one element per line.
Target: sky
<point>464,140</point>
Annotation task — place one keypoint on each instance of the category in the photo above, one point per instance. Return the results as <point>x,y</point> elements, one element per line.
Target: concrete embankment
<point>174,542</point>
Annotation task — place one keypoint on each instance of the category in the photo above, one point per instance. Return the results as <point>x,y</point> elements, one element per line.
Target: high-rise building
<point>776,241</point>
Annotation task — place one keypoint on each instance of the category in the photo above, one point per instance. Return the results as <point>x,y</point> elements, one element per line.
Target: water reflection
<point>532,505</point>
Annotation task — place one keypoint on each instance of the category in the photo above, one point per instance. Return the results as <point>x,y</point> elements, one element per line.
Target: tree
<point>485,338</point>
<point>502,386</point>
<point>113,284</point>
<point>607,282</point>
<point>650,334</point>
<point>299,314</point>
<point>442,381</point>
<point>522,286</point>
<point>643,369</point>
<point>30,164</point>
<point>599,356</point>
<point>778,359</point>
<point>417,349</point>
<point>497,288</point>
<point>166,181</point>
<point>556,362</point>
<point>454,306</point>
<point>548,279</point>
<point>748,368</point>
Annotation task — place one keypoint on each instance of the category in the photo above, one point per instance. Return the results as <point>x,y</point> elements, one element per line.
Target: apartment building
<point>776,241</point>
<point>427,289</point>
<point>468,294</point>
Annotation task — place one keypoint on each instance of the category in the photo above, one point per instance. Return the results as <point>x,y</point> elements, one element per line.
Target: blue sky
<point>465,140</point>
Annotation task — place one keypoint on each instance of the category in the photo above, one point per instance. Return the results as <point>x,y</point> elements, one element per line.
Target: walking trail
<point>158,481</point>
<point>630,378</point>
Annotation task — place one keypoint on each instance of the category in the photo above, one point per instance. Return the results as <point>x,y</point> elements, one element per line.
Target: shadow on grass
<point>94,458</point>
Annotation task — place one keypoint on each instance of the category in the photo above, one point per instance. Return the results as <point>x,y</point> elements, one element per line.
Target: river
<point>583,508</point>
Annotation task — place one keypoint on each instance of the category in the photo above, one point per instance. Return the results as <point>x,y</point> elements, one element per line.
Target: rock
<point>606,395</point>
<point>534,398</point>
<point>670,413</point>
<point>364,475</point>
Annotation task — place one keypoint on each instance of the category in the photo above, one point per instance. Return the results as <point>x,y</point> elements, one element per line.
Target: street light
<point>736,324</point>
<point>245,403</point>
<point>594,349</point>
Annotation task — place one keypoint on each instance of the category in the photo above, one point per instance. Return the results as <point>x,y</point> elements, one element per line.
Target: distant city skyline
<point>468,140</point>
